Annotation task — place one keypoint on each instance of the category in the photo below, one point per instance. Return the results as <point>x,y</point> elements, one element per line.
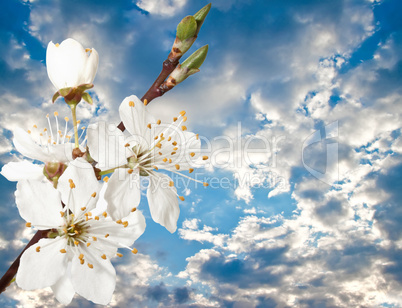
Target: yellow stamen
<point>94,238</point>
<point>206,184</point>
<point>130,171</point>
<point>118,221</point>
<point>184,119</point>
<point>133,209</point>
<point>127,145</point>
<point>181,198</point>
<point>125,224</point>
<point>158,145</point>
<point>83,208</point>
<point>170,160</point>
<point>106,179</point>
<point>82,262</point>
<point>107,235</point>
<point>190,170</point>
<point>204,157</point>
<point>61,213</point>
<point>131,103</point>
<point>183,113</point>
<point>174,119</point>
<point>56,113</point>
<point>156,168</point>
<point>158,122</point>
<point>29,131</point>
<point>88,244</point>
<point>174,143</point>
<point>63,251</point>
<point>96,217</point>
<point>184,128</point>
<point>104,214</point>
<point>119,255</point>
<point>177,166</point>
<point>171,183</point>
<point>170,138</point>
<point>66,119</point>
<point>134,251</point>
<point>164,160</point>
<point>103,257</point>
<point>57,45</point>
<point>192,154</point>
<point>149,125</point>
<point>90,265</point>
<point>81,257</point>
<point>196,136</point>
<point>93,195</point>
<point>175,149</point>
<point>145,102</point>
<point>76,243</point>
<point>28,225</point>
<point>35,126</point>
<point>173,153</point>
<point>38,249</point>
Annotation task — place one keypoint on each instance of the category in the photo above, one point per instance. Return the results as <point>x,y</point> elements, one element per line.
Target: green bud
<point>200,16</point>
<point>196,59</point>
<point>187,68</point>
<point>53,171</point>
<point>186,28</point>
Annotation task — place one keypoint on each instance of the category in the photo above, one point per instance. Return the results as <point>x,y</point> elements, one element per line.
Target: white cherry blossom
<point>148,147</point>
<point>76,259</point>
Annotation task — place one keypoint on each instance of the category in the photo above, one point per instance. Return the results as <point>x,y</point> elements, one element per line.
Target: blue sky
<point>299,106</point>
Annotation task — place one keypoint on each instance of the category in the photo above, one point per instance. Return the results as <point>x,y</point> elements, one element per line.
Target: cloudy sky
<point>298,105</point>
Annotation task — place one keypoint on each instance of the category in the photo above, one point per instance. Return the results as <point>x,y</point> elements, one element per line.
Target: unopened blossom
<point>70,65</point>
<point>148,147</point>
<point>48,146</point>
<point>76,256</point>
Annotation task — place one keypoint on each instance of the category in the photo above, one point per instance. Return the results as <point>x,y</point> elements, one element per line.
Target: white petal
<point>63,289</point>
<point>83,176</point>
<point>125,236</point>
<point>96,284</point>
<point>106,145</point>
<point>62,153</point>
<point>29,148</point>
<point>91,67</point>
<point>39,203</point>
<point>136,119</point>
<point>23,170</point>
<point>162,200</point>
<point>44,268</point>
<point>123,192</point>
<point>66,63</point>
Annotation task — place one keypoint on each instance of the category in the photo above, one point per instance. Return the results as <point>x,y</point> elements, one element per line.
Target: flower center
<point>75,231</point>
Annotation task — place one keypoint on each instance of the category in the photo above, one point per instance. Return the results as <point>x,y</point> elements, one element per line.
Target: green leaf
<point>187,28</point>
<point>86,97</point>
<point>200,16</point>
<point>196,59</point>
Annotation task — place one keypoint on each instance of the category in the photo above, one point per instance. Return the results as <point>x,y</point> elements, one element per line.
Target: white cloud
<point>162,7</point>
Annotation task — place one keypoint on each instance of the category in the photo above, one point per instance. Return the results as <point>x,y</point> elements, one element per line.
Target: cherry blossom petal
<point>96,284</point>
<point>123,192</point>
<point>63,289</point>
<point>162,200</point>
<point>106,145</point>
<point>91,67</point>
<point>39,203</point>
<point>44,268</point>
<point>23,170</point>
<point>136,119</point>
<point>85,192</point>
<point>28,147</point>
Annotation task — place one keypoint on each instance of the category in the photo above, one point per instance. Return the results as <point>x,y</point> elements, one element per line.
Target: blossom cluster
<point>84,191</point>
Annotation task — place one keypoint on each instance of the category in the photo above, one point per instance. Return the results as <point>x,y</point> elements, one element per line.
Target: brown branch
<point>158,89</point>
<point>9,275</point>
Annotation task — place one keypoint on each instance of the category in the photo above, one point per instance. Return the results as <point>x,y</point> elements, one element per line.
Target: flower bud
<point>71,70</point>
<point>189,67</point>
<point>53,171</point>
